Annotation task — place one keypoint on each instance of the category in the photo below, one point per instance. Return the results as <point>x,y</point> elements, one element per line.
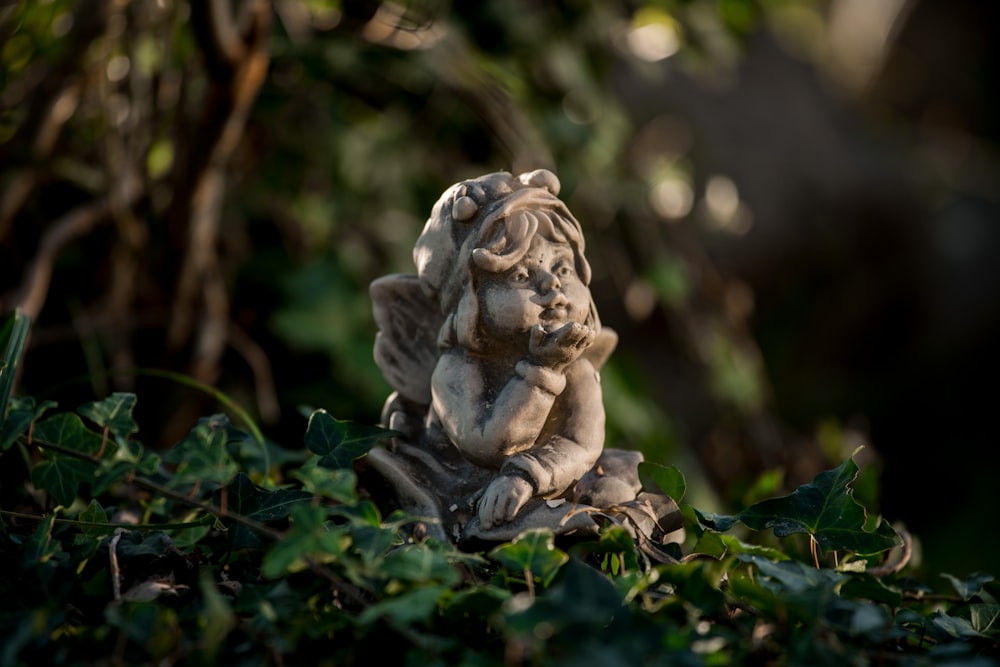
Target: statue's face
<point>542,288</point>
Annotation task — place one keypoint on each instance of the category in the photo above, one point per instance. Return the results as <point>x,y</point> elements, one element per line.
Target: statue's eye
<point>520,276</point>
<point>564,270</point>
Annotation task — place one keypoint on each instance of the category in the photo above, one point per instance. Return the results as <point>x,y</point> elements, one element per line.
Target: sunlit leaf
<point>824,509</point>
<point>669,479</point>
<point>533,551</point>
<point>310,536</point>
<point>335,483</point>
<point>338,442</point>
<point>420,565</point>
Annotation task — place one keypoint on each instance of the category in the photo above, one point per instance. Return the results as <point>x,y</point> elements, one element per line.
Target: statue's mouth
<point>553,317</point>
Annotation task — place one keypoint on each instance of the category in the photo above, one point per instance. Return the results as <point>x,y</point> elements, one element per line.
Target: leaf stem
<point>104,524</point>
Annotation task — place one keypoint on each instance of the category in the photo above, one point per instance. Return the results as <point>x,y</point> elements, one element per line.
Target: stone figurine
<point>494,349</point>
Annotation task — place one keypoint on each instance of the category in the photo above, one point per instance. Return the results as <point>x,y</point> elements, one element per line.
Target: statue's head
<point>487,225</point>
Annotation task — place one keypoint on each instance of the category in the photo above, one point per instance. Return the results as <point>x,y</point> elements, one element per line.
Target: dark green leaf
<point>338,442</point>
<point>67,430</point>
<point>863,585</point>
<point>824,509</point>
<point>533,551</point>
<point>20,415</point>
<point>203,455</point>
<point>94,513</point>
<point>254,502</point>
<point>13,336</point>
<point>414,606</point>
<point>971,587</point>
<point>40,547</point>
<point>61,476</point>
<point>580,598</point>
<point>985,619</point>
<point>114,413</point>
<point>420,565</point>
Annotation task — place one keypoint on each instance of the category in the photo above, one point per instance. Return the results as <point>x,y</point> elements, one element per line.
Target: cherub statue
<point>494,350</point>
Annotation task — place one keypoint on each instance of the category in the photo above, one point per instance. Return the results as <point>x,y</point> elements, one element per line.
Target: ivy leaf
<point>404,610</point>
<point>336,484</point>
<point>419,564</point>
<point>532,551</point>
<point>113,413</point>
<point>969,588</point>
<point>824,509</point>
<point>40,547</point>
<point>21,415</point>
<point>67,430</point>
<point>669,479</point>
<point>338,442</point>
<point>203,456</point>
<point>61,476</point>
<point>310,536</point>
<point>245,498</point>
<point>94,513</point>
<point>985,619</point>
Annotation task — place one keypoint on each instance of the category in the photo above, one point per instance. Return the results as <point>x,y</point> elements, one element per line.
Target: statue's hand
<point>559,349</point>
<point>502,500</point>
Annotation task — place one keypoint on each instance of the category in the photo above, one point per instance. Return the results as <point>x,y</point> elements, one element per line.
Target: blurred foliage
<point>210,187</point>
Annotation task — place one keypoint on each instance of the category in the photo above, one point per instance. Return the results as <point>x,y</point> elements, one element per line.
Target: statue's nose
<point>549,283</point>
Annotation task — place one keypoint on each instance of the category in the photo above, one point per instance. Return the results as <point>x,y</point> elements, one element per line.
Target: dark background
<point>791,209</point>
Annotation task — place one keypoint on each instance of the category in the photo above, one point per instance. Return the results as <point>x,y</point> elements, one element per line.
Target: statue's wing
<point>406,345</point>
<point>604,344</point>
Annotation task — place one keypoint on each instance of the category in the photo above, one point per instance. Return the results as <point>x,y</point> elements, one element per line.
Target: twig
<point>68,228</point>
<point>116,573</point>
<point>892,567</point>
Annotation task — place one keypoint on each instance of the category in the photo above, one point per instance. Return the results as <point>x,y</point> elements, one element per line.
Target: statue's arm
<point>576,442</point>
<point>489,432</point>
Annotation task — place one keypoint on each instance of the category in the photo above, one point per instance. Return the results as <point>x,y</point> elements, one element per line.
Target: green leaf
<point>969,588</point>
<point>40,547</point>
<point>203,455</point>
<point>533,551</point>
<point>13,337</point>
<point>824,509</point>
<point>94,513</point>
<point>414,606</point>
<point>61,476</point>
<point>217,619</point>
<point>985,619</point>
<point>338,442</point>
<point>338,484</point>
<point>67,430</point>
<point>245,498</point>
<point>21,414</point>
<point>669,479</point>
<point>580,600</point>
<point>419,564</point>
<point>114,413</point>
<point>310,536</point>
